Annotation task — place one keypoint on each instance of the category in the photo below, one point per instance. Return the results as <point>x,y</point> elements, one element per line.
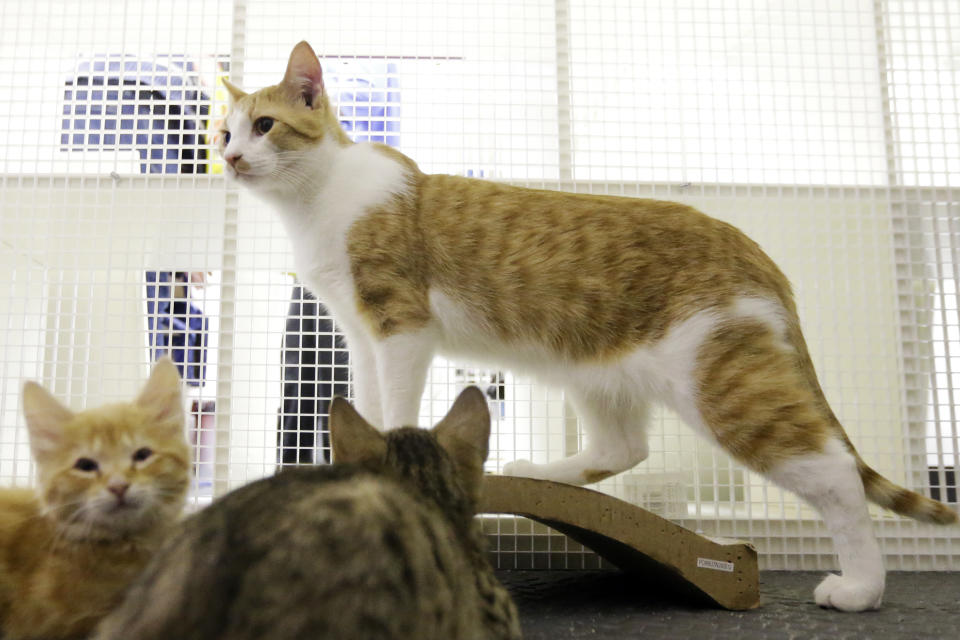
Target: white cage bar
<point>828,131</point>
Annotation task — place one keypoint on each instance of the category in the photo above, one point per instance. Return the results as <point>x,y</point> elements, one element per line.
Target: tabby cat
<point>112,482</point>
<point>620,301</point>
<point>381,545</point>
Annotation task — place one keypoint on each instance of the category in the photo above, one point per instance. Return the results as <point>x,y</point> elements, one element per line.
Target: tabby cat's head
<point>274,139</point>
<point>113,471</point>
<point>445,463</point>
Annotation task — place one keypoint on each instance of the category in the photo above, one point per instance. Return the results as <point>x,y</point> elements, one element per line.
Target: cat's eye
<point>262,125</point>
<point>226,137</point>
<point>86,465</point>
<point>142,454</point>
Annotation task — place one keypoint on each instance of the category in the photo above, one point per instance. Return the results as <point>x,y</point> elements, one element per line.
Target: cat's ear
<point>303,81</point>
<point>161,395</point>
<point>465,433</point>
<point>235,92</point>
<point>353,439</point>
<point>46,417</point>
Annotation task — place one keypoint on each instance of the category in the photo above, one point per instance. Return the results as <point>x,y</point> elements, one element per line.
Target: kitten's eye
<point>226,137</point>
<point>86,464</point>
<point>142,454</point>
<point>262,125</point>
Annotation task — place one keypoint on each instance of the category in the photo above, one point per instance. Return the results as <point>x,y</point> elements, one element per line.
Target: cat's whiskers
<point>53,510</point>
<point>295,181</point>
<point>290,176</point>
<point>48,512</point>
<point>285,175</point>
<point>68,526</point>
<point>283,166</point>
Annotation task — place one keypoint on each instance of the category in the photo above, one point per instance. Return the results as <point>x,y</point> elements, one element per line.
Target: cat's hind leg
<point>756,397</point>
<point>830,482</point>
<point>616,440</point>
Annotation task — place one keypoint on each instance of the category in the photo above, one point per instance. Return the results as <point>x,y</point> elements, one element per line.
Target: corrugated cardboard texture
<point>633,538</point>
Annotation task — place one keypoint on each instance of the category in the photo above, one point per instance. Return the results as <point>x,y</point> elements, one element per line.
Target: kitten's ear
<point>161,395</point>
<point>465,433</point>
<point>235,92</point>
<point>352,437</point>
<point>46,417</point>
<point>303,80</point>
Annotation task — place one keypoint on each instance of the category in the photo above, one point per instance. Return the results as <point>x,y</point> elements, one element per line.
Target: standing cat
<point>620,301</point>
<point>112,482</point>
<point>381,545</point>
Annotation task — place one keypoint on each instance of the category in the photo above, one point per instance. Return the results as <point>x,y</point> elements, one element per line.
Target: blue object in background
<point>175,326</point>
<point>120,102</point>
<point>368,95</point>
<point>157,108</point>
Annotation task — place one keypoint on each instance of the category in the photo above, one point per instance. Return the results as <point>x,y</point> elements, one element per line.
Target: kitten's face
<point>269,139</point>
<point>113,471</point>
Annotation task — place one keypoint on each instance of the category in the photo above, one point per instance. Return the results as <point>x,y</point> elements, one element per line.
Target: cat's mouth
<point>105,522</point>
<point>245,177</point>
<point>236,174</point>
<point>123,506</point>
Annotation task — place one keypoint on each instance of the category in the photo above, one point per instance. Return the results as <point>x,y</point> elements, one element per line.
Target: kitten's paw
<point>846,594</point>
<point>521,468</point>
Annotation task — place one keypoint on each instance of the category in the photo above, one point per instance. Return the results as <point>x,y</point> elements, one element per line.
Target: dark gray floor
<point>557,605</point>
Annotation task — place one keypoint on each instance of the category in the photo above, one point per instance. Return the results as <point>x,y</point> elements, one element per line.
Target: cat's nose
<point>118,489</point>
<point>233,158</point>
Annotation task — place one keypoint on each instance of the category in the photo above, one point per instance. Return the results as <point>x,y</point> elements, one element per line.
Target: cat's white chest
<point>357,180</point>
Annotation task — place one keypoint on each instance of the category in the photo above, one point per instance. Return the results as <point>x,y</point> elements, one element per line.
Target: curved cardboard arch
<point>634,539</point>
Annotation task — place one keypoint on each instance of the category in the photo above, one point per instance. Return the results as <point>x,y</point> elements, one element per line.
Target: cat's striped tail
<point>903,501</point>
<point>878,489</point>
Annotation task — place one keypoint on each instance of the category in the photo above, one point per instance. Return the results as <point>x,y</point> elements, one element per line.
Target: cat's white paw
<point>846,594</point>
<point>521,468</point>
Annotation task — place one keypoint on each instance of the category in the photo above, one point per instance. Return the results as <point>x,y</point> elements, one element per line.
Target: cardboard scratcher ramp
<point>632,538</point>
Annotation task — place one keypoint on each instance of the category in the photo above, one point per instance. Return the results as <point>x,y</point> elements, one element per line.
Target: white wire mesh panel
<point>703,91</point>
<point>828,131</point>
<point>107,194</point>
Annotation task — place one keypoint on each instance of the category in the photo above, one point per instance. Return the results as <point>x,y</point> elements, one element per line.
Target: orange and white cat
<point>620,301</point>
<point>111,485</point>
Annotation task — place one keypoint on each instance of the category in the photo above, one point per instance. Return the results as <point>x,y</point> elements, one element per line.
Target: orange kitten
<point>623,302</point>
<point>112,482</point>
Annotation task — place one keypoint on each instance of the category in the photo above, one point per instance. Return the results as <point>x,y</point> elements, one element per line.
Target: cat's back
<point>332,552</point>
<point>594,276</point>
<point>488,220</point>
<point>458,198</point>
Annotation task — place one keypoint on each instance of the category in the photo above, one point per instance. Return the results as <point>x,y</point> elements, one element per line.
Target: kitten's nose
<point>233,158</point>
<point>118,488</point>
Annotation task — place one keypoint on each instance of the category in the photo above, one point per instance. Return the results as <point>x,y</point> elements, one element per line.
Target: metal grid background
<point>828,131</point>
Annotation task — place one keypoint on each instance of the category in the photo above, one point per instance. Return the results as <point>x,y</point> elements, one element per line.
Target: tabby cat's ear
<point>303,80</point>
<point>352,437</point>
<point>46,417</point>
<point>465,433</point>
<point>235,92</point>
<point>161,396</point>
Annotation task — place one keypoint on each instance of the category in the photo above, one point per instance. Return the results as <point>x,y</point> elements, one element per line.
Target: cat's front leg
<point>366,383</point>
<point>402,363</point>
